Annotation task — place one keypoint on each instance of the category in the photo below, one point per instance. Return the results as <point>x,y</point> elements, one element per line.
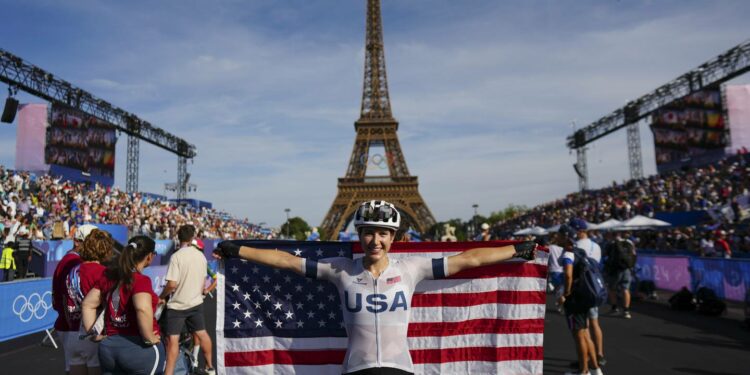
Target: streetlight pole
<point>287,222</point>
<point>474,220</point>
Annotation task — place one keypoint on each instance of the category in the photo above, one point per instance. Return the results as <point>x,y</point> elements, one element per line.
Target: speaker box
<point>9,112</point>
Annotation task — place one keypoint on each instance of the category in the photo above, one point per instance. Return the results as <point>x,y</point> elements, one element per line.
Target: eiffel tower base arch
<point>403,193</point>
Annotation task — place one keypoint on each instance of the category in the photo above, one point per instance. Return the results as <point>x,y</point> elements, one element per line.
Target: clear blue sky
<point>485,91</point>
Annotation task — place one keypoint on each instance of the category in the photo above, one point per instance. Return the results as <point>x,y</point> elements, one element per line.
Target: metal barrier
<point>26,308</point>
<point>729,278</point>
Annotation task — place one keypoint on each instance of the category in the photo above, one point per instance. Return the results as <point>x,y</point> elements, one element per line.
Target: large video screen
<point>689,131</point>
<point>81,142</point>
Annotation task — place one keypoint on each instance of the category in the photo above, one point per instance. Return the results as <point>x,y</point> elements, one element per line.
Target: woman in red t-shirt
<point>132,345</point>
<point>96,248</point>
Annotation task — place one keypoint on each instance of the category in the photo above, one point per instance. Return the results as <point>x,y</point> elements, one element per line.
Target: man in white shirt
<point>593,251</point>
<point>186,278</point>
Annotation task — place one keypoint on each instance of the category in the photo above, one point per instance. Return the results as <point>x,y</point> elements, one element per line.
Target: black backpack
<point>682,300</point>
<point>708,302</point>
<point>624,255</point>
<point>589,289</point>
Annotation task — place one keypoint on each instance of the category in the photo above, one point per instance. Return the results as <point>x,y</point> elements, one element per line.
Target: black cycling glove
<point>227,249</point>
<point>524,250</point>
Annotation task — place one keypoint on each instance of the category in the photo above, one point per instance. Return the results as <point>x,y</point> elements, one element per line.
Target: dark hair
<point>186,233</point>
<point>135,251</point>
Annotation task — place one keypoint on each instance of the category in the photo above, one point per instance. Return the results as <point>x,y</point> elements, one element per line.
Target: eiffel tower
<point>376,129</point>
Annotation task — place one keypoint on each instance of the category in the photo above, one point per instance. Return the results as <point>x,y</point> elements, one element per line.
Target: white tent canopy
<point>607,225</point>
<point>642,222</point>
<point>534,231</point>
<point>555,228</point>
<point>538,231</point>
<point>522,232</point>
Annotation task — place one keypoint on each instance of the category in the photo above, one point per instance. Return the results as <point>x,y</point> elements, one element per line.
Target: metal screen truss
<point>728,65</point>
<point>16,72</point>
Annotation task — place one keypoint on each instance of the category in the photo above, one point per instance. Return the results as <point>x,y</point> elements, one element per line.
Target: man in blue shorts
<point>577,318</point>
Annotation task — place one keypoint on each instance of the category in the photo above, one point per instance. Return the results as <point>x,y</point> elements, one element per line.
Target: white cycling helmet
<point>377,214</point>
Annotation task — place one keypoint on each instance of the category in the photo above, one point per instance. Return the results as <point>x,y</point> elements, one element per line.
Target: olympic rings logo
<point>377,161</point>
<point>33,306</point>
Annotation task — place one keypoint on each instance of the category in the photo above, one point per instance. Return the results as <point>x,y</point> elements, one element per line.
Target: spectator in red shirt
<point>133,342</point>
<point>722,245</point>
<point>97,247</point>
<point>68,316</point>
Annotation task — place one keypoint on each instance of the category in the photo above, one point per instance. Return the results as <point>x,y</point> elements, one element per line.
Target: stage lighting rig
<point>36,81</point>
<point>11,106</point>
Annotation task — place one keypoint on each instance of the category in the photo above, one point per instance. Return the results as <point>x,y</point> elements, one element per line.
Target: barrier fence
<point>29,308</point>
<point>729,278</point>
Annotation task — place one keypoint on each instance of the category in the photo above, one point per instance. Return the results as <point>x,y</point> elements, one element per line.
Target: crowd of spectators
<point>721,184</point>
<point>49,208</point>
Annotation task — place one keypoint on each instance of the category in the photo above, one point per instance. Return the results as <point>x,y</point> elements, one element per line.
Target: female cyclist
<point>376,312</point>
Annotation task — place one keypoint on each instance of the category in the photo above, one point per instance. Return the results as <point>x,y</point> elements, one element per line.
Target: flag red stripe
<point>284,357</point>
<point>472,299</point>
<point>476,326</point>
<point>488,354</point>
<point>511,269</point>
<point>431,247</point>
<point>327,357</point>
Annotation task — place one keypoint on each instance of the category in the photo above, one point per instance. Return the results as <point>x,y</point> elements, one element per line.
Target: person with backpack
<point>583,290</point>
<point>97,248</point>
<point>618,269</point>
<point>67,330</point>
<point>594,252</point>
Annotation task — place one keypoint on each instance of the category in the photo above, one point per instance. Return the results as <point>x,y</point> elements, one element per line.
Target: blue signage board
<point>28,309</point>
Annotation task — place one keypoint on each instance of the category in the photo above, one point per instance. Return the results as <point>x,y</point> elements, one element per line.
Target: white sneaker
<point>577,373</point>
<point>596,371</point>
<point>626,315</point>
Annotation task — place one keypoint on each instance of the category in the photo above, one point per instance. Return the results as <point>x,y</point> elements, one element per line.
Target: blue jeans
<point>129,355</point>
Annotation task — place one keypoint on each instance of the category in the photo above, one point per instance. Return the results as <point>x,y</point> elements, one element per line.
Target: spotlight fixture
<point>11,106</point>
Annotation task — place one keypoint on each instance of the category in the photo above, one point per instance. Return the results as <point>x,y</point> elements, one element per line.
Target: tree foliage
<point>297,228</point>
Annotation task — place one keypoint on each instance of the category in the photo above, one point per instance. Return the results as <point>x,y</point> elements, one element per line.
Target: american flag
<point>487,320</point>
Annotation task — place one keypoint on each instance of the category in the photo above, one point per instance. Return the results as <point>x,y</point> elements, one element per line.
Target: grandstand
<point>51,208</point>
<point>713,197</point>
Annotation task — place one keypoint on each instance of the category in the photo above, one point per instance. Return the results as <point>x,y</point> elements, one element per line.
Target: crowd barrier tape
<point>26,307</point>
<point>729,278</point>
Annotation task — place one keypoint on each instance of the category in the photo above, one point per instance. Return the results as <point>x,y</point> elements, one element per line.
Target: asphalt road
<point>656,341</point>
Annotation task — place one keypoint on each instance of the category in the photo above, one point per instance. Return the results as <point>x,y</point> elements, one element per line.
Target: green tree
<point>297,228</point>
<point>509,212</point>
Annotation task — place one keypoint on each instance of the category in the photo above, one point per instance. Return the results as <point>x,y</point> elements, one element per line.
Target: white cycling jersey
<point>376,311</point>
